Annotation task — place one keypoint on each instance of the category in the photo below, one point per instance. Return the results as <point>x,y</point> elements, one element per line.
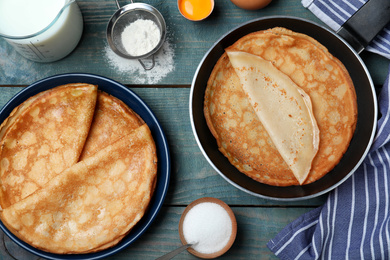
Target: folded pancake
<point>240,135</point>
<point>93,204</point>
<point>283,108</point>
<point>42,137</point>
<point>112,120</point>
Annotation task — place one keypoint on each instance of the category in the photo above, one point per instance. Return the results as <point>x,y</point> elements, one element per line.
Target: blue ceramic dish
<point>138,105</point>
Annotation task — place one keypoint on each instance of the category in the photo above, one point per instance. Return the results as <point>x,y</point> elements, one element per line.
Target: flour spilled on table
<point>164,64</point>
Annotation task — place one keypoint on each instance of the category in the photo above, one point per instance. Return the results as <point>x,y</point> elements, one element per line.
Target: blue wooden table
<point>166,90</point>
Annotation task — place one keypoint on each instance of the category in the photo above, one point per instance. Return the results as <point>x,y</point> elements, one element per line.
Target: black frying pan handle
<point>366,23</point>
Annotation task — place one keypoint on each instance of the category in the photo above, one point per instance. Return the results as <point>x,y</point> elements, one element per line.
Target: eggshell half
<point>251,4</point>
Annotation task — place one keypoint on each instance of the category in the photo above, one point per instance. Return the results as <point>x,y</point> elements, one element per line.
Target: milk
<point>25,17</point>
<point>41,30</point>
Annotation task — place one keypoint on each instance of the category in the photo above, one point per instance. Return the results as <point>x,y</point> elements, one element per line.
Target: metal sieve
<point>126,15</point>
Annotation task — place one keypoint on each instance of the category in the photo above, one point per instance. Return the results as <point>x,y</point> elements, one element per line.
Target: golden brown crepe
<point>283,108</point>
<point>240,135</point>
<point>112,120</point>
<point>93,204</point>
<point>42,137</point>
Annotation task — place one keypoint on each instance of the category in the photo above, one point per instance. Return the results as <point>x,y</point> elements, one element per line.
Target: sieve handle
<point>119,6</point>
<point>144,66</point>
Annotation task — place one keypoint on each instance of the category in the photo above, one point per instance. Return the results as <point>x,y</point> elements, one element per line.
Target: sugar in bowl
<point>210,226</point>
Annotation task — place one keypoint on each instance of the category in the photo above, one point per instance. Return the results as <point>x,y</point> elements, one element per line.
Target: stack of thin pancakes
<point>240,135</point>
<point>78,169</point>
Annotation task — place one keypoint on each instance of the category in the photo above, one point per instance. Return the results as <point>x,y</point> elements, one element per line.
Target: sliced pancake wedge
<point>94,203</point>
<point>42,137</point>
<point>282,107</point>
<point>112,120</point>
<point>240,135</point>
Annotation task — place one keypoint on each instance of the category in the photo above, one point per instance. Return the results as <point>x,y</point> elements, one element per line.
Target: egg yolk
<point>195,9</point>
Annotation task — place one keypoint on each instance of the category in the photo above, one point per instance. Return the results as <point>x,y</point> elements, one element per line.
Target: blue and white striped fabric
<point>354,222</point>
<point>336,12</point>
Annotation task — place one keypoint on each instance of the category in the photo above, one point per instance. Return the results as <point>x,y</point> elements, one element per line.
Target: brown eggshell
<point>251,4</point>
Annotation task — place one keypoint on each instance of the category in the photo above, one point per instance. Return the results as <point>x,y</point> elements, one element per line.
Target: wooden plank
<point>192,176</point>
<point>255,227</point>
<point>188,40</point>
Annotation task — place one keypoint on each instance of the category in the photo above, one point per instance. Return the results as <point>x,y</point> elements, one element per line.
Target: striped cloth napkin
<point>354,222</point>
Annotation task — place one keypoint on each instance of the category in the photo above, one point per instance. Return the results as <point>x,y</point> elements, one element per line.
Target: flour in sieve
<point>140,37</point>
<point>164,64</point>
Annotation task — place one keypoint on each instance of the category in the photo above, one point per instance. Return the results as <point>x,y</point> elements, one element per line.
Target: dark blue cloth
<point>354,221</point>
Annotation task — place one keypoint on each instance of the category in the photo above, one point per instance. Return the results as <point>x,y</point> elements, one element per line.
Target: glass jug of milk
<point>41,30</point>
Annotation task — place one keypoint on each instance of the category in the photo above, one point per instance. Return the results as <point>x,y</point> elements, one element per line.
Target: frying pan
<point>366,102</point>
